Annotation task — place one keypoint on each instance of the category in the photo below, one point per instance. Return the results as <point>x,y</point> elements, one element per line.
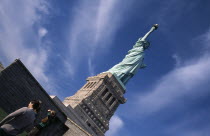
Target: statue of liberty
<point>133,61</point>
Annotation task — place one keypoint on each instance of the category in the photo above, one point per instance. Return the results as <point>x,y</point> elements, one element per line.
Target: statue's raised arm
<point>133,61</point>
<point>154,27</point>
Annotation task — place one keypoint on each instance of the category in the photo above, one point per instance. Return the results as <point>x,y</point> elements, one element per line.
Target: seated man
<point>20,120</point>
<point>44,123</point>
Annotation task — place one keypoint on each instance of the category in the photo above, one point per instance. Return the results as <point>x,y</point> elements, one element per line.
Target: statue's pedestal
<point>97,101</point>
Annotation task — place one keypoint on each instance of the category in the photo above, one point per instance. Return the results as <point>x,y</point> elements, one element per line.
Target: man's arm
<point>13,115</point>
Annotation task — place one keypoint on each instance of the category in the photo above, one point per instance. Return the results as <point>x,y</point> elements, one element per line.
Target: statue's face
<point>146,45</point>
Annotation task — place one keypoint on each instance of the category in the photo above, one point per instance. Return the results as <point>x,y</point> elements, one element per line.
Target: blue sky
<point>64,42</point>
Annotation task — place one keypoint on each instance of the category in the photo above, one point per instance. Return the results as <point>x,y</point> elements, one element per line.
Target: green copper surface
<point>133,61</point>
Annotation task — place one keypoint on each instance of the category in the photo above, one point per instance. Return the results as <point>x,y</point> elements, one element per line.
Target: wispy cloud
<point>177,60</point>
<point>200,121</point>
<point>183,130</point>
<point>205,40</point>
<point>42,32</point>
<point>18,34</point>
<point>116,124</point>
<point>181,81</point>
<point>91,67</point>
<point>69,67</point>
<point>92,29</point>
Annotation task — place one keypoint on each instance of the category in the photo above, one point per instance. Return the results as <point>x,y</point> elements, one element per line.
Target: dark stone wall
<point>18,87</point>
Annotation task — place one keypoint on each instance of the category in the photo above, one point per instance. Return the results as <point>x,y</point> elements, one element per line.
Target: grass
<point>2,114</point>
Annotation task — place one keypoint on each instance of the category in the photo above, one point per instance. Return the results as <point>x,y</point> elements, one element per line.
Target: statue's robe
<point>130,65</point>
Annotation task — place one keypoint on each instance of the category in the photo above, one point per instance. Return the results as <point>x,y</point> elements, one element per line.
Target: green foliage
<point>23,134</point>
<point>2,114</point>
